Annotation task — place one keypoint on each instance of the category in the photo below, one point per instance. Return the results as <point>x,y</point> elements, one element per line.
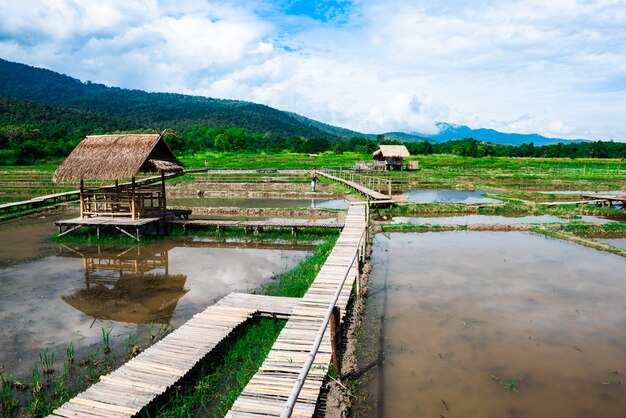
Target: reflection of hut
<point>393,155</point>
<point>140,299</point>
<point>128,286</point>
<point>115,157</point>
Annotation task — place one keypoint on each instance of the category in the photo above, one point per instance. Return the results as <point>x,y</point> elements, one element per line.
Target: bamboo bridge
<point>362,184</point>
<point>289,381</point>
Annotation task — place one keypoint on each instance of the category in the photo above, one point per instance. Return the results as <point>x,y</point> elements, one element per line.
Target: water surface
<point>456,316</point>
<point>492,219</point>
<point>617,242</point>
<point>260,203</point>
<point>449,196</point>
<point>51,295</point>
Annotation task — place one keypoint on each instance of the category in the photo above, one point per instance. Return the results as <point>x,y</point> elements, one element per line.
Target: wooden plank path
<point>267,392</point>
<point>372,194</point>
<point>127,390</point>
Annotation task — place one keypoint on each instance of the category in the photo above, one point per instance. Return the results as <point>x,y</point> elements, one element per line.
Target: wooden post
<point>132,199</point>
<point>389,188</point>
<point>164,208</point>
<point>358,273</point>
<point>335,340</point>
<point>82,197</point>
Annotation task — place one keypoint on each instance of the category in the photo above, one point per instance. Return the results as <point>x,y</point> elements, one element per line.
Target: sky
<point>556,68</point>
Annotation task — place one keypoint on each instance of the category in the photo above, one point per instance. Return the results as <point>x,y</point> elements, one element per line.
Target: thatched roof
<point>111,157</point>
<point>391,151</point>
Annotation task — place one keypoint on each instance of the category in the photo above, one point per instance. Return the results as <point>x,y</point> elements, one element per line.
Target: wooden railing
<point>124,202</point>
<point>381,185</point>
<point>331,318</point>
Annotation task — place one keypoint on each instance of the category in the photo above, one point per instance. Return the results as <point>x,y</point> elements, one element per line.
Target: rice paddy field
<point>451,256</point>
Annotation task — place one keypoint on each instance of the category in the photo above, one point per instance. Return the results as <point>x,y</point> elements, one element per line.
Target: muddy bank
<point>254,194</point>
<point>208,186</point>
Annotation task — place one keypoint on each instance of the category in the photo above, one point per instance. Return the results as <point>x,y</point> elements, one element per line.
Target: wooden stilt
<point>163,204</point>
<point>132,199</point>
<point>82,198</point>
<point>335,340</point>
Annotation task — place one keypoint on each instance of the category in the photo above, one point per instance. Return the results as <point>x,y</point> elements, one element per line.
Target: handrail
<point>370,182</point>
<point>295,392</point>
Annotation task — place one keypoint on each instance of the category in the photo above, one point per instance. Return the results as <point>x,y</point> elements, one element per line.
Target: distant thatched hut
<point>393,155</point>
<point>115,157</point>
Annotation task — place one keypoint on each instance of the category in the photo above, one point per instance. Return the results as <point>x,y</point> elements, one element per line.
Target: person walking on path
<point>313,180</point>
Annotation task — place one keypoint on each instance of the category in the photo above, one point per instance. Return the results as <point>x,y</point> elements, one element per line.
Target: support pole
<point>164,208</point>
<point>335,340</point>
<point>82,197</point>
<point>132,199</point>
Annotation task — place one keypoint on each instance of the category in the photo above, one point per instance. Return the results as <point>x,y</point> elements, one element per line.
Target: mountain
<point>448,132</point>
<point>60,106</point>
<point>136,109</point>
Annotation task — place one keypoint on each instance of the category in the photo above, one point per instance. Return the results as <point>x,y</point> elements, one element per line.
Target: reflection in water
<point>455,316</point>
<point>48,302</point>
<point>449,196</point>
<point>119,287</point>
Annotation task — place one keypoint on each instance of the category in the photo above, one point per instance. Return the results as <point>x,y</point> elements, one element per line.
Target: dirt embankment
<point>265,212</point>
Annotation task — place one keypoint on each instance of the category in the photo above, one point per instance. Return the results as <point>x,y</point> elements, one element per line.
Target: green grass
<point>229,368</point>
<point>223,375</point>
<point>87,235</point>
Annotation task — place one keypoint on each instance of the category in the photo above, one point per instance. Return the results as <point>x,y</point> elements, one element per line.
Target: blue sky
<point>556,68</point>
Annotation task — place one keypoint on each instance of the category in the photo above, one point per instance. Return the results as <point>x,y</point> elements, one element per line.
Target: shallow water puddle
<point>449,196</point>
<point>487,324</point>
<point>492,219</point>
<point>70,296</point>
<point>617,242</point>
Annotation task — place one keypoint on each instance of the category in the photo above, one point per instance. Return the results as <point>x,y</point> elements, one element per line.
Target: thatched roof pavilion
<point>115,157</point>
<point>392,154</point>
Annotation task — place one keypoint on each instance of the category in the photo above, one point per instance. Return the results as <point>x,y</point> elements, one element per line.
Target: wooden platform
<point>607,200</point>
<point>372,194</point>
<point>126,391</point>
<point>267,392</point>
<point>122,224</point>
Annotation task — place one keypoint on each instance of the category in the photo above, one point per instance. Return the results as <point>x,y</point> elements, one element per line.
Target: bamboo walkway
<point>369,193</point>
<point>267,392</point>
<point>126,391</point>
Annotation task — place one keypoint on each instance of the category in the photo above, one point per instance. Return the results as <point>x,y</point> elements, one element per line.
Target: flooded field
<point>574,192</point>
<point>518,325</point>
<point>449,196</point>
<point>492,219</point>
<point>261,203</point>
<point>51,295</point>
<point>617,242</point>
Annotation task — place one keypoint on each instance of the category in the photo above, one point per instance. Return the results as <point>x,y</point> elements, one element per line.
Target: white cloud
<point>528,66</point>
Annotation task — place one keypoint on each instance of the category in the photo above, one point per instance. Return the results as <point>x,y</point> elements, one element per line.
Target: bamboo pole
<point>164,208</point>
<point>132,199</point>
<point>82,197</point>
<point>335,340</point>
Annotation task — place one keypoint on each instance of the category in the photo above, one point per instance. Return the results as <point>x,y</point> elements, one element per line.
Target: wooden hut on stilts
<point>122,205</point>
<point>392,155</point>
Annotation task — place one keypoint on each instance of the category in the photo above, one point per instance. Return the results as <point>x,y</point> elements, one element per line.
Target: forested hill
<point>117,108</point>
